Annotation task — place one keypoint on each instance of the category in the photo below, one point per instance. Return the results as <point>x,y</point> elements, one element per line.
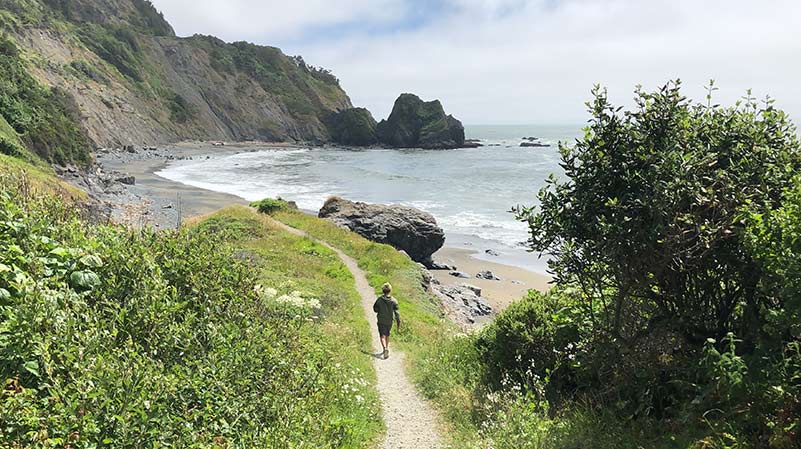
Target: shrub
<point>181,110</point>
<point>85,70</point>
<point>117,338</point>
<point>534,341</point>
<point>269,205</point>
<point>649,218</point>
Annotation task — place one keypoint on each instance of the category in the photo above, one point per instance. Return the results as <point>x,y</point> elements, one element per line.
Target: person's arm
<point>375,306</point>
<point>397,314</point>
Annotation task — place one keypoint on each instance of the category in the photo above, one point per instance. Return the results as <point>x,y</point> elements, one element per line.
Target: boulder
<point>442,266</point>
<point>459,274</point>
<point>405,228</point>
<point>488,275</point>
<point>353,127</point>
<point>415,123</point>
<point>472,143</point>
<point>126,179</point>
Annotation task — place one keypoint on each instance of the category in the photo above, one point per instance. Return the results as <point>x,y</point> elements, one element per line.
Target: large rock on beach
<point>415,123</point>
<point>405,228</point>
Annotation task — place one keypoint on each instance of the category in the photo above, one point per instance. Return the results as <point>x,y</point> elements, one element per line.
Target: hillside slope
<point>135,82</point>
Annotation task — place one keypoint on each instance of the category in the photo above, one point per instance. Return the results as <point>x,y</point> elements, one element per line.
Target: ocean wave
<point>488,227</point>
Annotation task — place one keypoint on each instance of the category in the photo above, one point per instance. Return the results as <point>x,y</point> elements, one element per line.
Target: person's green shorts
<point>384,329</point>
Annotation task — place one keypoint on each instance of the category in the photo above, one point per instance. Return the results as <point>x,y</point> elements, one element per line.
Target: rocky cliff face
<point>134,82</point>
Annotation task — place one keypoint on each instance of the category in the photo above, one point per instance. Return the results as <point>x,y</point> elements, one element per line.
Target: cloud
<point>517,61</point>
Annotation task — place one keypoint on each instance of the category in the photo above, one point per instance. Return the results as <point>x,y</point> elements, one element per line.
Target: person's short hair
<point>386,288</point>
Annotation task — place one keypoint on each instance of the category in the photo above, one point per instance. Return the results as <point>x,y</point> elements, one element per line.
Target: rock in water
<point>354,127</point>
<point>405,228</point>
<point>415,123</point>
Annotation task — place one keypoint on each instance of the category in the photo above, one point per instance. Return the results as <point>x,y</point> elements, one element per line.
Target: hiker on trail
<point>386,308</point>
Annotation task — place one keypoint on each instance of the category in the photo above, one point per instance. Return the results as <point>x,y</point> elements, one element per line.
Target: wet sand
<point>514,284</point>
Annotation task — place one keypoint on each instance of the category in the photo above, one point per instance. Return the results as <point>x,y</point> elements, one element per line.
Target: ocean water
<point>470,191</point>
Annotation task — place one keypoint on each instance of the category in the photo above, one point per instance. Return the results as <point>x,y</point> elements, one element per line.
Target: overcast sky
<point>519,61</point>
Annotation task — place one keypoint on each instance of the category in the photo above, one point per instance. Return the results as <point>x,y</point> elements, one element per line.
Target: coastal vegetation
<point>227,332</point>
<point>673,322</point>
<point>36,121</point>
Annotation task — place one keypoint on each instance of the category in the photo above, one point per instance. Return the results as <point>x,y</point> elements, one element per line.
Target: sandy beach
<point>165,203</point>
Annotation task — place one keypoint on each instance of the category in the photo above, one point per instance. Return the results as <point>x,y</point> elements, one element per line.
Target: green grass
<point>291,263</point>
<point>425,331</point>
<point>39,178</point>
<point>420,310</point>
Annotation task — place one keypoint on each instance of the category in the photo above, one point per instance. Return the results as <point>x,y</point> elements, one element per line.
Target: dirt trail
<point>410,421</point>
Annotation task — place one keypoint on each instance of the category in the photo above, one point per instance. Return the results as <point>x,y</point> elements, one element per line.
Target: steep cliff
<point>134,82</point>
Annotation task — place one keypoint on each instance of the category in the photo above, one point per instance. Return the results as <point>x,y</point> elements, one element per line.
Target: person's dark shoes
<point>386,354</point>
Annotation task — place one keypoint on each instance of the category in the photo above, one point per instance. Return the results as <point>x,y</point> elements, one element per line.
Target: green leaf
<point>91,261</point>
<point>59,252</point>
<point>84,280</point>
<point>4,294</point>
<point>4,268</point>
<point>32,367</point>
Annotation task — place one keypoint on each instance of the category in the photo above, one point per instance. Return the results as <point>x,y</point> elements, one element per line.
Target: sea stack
<point>415,123</point>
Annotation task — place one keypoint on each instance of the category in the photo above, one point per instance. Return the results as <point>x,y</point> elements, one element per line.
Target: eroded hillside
<point>135,82</point>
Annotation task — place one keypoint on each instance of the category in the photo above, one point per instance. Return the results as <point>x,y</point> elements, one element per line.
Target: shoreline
<point>164,204</point>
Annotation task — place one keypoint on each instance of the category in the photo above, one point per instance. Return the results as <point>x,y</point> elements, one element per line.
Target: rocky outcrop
<point>405,228</point>
<point>354,127</point>
<point>463,302</point>
<point>415,123</point>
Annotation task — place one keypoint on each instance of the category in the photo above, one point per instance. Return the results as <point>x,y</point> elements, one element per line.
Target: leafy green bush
<point>115,338</point>
<point>269,205</point>
<point>650,223</point>
<point>181,110</point>
<point>674,322</point>
<point>85,70</point>
<point>533,342</point>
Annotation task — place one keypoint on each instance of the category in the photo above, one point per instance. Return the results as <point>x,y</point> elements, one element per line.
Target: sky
<point>522,61</point>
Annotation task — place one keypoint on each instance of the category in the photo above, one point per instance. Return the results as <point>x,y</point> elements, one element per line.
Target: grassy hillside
<point>228,333</point>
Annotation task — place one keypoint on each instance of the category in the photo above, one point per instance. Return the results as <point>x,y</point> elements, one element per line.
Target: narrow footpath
<point>410,421</point>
